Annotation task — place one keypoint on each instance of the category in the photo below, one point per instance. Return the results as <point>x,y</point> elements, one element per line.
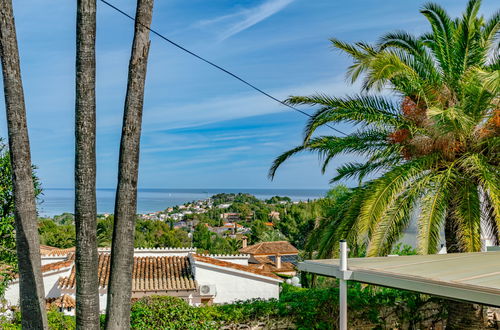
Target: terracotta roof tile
<point>149,274</point>
<point>54,266</point>
<point>64,301</point>
<point>267,264</point>
<point>227,264</point>
<point>270,248</point>
<point>50,251</point>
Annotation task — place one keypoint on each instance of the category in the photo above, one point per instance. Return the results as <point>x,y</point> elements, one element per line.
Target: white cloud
<point>231,107</point>
<point>237,22</point>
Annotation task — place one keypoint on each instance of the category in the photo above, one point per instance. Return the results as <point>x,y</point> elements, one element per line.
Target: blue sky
<point>202,128</point>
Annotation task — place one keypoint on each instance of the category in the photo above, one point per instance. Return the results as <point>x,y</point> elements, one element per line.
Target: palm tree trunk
<point>32,295</point>
<point>461,315</point>
<point>87,285</point>
<point>122,252</point>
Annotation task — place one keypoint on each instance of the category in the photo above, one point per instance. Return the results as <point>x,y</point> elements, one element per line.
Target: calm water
<point>57,201</point>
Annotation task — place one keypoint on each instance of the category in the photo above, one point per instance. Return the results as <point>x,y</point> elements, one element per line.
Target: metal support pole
<point>343,286</point>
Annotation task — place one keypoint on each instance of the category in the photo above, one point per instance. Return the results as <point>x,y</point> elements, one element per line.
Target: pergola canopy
<point>473,277</point>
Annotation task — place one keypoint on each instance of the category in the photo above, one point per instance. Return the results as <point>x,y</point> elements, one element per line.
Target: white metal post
<point>343,286</point>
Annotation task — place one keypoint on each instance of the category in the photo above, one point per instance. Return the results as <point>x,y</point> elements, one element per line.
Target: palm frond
<point>442,38</point>
<point>342,227</point>
<point>452,120</point>
<point>403,72</point>
<point>490,33</point>
<point>397,217</point>
<point>488,176</point>
<point>283,157</point>
<point>467,216</point>
<point>327,147</point>
<point>361,170</point>
<point>356,110</point>
<point>382,192</point>
<point>361,54</point>
<point>490,228</point>
<point>433,211</point>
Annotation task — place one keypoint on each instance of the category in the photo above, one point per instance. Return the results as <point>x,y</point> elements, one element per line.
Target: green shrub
<point>164,312</point>
<point>59,321</point>
<point>56,321</point>
<point>305,308</point>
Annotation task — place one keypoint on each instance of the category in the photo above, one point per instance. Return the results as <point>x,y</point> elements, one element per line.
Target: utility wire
<point>215,65</point>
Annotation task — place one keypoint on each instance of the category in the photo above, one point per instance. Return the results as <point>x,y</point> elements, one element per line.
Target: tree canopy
<point>432,144</point>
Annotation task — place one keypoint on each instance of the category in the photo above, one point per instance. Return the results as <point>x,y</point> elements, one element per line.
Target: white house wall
<point>233,286</point>
<point>102,299</point>
<point>241,259</point>
<point>50,281</point>
<point>51,259</point>
<point>163,252</point>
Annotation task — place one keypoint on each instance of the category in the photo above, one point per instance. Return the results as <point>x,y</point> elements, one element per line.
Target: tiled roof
<point>149,274</point>
<point>227,264</point>
<point>269,265</point>
<point>270,248</point>
<point>50,251</point>
<point>231,225</point>
<point>64,301</point>
<point>56,265</point>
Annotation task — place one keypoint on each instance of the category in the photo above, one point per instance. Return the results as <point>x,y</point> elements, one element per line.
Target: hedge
<point>305,308</point>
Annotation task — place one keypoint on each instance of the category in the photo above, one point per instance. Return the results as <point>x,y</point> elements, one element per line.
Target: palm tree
<point>122,250</point>
<point>87,284</point>
<point>434,143</point>
<point>27,241</point>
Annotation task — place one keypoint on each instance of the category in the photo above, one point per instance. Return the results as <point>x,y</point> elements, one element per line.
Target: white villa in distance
<point>181,272</point>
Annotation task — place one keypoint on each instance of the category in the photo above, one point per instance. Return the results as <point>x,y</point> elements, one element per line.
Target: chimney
<point>278,261</point>
<point>244,242</point>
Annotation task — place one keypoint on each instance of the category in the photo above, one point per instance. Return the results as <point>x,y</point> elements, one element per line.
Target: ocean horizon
<point>55,201</point>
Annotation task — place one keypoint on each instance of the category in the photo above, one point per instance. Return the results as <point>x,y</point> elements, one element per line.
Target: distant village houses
<point>275,216</point>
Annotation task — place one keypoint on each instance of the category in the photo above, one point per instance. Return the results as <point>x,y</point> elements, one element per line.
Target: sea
<point>55,201</point>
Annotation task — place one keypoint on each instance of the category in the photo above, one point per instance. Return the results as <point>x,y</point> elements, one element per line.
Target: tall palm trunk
<point>122,252</point>
<point>461,315</point>
<point>87,285</point>
<point>32,295</point>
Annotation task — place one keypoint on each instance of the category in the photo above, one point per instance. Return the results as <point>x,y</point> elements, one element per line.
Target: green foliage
<point>52,234</point>
<point>56,321</point>
<point>403,250</point>
<point>306,308</point>
<point>272,236</point>
<point>7,236</point>
<point>258,228</point>
<point>59,321</point>
<point>209,242</point>
<point>64,219</point>
<point>277,199</point>
<point>157,234</point>
<point>224,198</point>
<point>8,255</point>
<point>60,233</point>
<point>165,312</point>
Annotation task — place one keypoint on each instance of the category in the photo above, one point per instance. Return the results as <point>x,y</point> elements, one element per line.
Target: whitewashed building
<point>180,272</point>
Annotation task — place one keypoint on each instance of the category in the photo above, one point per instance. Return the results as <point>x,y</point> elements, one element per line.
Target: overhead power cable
<point>215,65</point>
